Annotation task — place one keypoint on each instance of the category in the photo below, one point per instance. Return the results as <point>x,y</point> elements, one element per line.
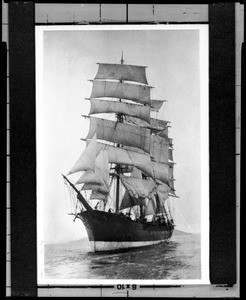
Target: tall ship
<point>125,174</point>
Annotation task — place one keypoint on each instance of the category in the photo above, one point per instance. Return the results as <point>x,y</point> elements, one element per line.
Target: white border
<point>204,112</point>
<point>204,131</point>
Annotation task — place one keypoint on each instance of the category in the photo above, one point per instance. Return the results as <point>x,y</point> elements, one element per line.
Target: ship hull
<point>111,231</point>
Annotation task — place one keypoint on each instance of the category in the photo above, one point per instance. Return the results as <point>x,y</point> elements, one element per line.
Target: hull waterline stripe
<point>108,246</point>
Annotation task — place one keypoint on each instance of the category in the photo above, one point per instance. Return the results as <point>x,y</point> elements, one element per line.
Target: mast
<point>120,120</point>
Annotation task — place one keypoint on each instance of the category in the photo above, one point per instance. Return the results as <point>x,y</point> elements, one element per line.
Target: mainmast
<point>117,169</point>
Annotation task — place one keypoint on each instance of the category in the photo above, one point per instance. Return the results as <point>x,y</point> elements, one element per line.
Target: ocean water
<point>177,258</point>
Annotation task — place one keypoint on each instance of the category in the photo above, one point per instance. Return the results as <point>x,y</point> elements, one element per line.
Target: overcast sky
<point>172,58</point>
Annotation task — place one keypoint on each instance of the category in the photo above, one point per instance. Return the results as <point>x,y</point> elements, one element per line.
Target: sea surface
<point>177,258</point>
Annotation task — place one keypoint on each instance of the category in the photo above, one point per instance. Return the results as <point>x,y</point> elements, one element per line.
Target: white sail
<point>161,171</point>
<point>138,188</point>
<point>107,106</point>
<point>136,173</point>
<point>134,149</point>
<point>151,207</point>
<point>120,133</point>
<point>101,173</point>
<point>87,160</point>
<point>154,124</point>
<point>159,148</point>
<point>102,168</point>
<point>164,133</point>
<point>159,124</point>
<point>162,192</point>
<point>121,72</point>
<point>155,105</point>
<point>118,155</point>
<point>134,92</point>
<point>89,177</point>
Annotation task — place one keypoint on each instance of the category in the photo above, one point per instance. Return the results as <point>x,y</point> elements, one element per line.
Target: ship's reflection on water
<point>177,258</point>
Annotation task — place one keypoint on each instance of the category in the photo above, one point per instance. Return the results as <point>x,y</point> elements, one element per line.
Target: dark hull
<point>110,231</point>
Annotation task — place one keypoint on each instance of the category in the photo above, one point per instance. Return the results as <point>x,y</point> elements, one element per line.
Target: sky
<point>66,60</point>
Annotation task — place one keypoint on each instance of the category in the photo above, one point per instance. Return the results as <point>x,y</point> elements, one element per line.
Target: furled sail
<point>126,169</point>
<point>107,106</point>
<point>170,141</point>
<point>159,148</point>
<point>155,105</point>
<point>170,154</point>
<point>138,188</point>
<point>120,133</point>
<point>134,92</point>
<point>121,72</point>
<point>155,124</point>
<point>87,160</point>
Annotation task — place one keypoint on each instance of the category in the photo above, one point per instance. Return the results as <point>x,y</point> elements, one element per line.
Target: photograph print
<point>122,154</point>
